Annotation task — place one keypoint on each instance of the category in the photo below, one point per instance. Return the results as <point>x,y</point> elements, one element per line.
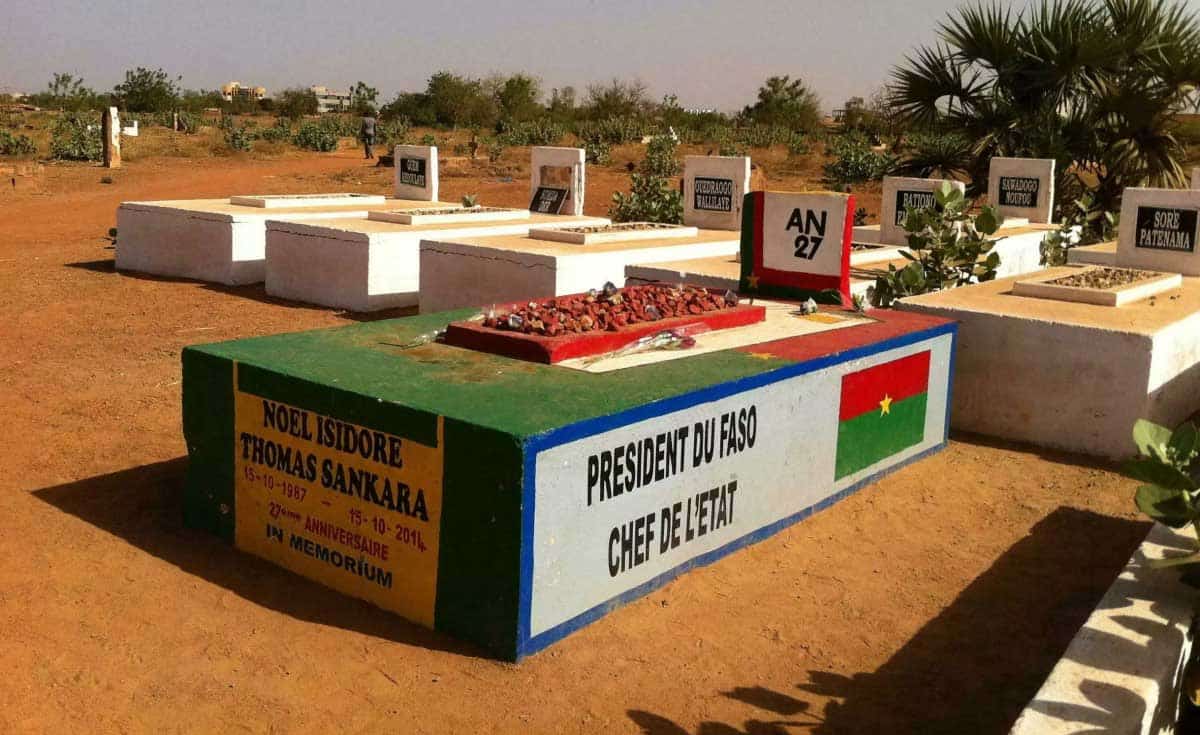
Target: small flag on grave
<point>882,412</point>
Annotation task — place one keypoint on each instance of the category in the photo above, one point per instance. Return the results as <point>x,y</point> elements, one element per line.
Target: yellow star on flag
<point>762,355</point>
<point>752,281</point>
<point>885,406</point>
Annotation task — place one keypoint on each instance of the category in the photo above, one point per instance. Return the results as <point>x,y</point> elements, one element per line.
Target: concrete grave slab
<point>1023,188</point>
<point>1042,371</point>
<point>899,193</point>
<point>213,239</point>
<point>477,271</point>
<point>1159,229</point>
<point>416,172</point>
<point>364,264</point>
<point>1052,286</point>
<point>553,167</point>
<point>713,189</point>
<point>494,509</point>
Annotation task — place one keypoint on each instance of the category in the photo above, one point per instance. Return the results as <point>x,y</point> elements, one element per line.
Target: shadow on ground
<point>144,506</point>
<point>974,667</point>
<point>255,292</point>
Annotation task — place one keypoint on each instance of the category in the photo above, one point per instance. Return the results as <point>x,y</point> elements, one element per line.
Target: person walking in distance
<point>366,131</point>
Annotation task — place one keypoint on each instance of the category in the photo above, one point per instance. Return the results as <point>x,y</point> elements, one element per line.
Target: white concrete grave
<point>216,240</point>
<point>900,193</point>
<point>556,168</point>
<point>416,168</point>
<point>1159,229</point>
<point>478,271</point>
<point>1023,188</point>
<point>1046,371</point>
<point>368,264</point>
<point>713,188</point>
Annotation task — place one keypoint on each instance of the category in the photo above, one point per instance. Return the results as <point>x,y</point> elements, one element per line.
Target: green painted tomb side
<point>208,431</point>
<point>479,560</point>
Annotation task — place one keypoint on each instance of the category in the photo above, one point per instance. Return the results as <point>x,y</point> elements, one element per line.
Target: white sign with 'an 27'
<point>804,233</point>
<point>617,509</point>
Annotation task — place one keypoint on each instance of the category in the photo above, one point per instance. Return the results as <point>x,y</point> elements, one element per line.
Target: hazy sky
<point>712,54</point>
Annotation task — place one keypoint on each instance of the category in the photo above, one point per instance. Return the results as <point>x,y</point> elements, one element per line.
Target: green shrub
<point>280,132</point>
<point>72,140</point>
<point>946,246</point>
<point>495,150</point>
<point>239,138</point>
<point>731,148</point>
<point>660,157</point>
<point>1167,467</point>
<point>340,126</point>
<point>391,133</point>
<point>1082,222</point>
<point>314,137</point>
<point>16,145</point>
<point>652,198</point>
<point>854,162</point>
<point>614,130</point>
<point>428,139</point>
<point>597,152</point>
<point>533,132</point>
<point>762,136</point>
<point>798,145</point>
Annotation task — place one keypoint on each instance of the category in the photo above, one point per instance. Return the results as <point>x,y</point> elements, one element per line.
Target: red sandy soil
<point>935,601</point>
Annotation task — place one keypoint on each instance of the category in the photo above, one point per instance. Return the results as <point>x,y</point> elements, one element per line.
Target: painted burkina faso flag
<point>882,412</point>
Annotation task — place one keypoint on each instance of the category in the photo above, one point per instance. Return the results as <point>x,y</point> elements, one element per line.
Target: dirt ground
<point>935,601</point>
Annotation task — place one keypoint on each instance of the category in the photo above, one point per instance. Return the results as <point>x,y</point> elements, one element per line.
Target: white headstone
<point>900,193</point>
<point>1023,188</point>
<point>713,188</point>
<point>111,138</point>
<point>1159,230</point>
<point>558,168</point>
<point>416,169</point>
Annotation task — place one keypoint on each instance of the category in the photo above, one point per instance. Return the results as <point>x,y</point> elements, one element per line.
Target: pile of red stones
<point>609,309</point>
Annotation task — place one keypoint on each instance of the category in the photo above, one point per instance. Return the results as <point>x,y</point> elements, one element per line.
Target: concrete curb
<point>1123,671</point>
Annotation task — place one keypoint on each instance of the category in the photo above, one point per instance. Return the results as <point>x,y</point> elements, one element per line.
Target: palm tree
<point>1092,84</point>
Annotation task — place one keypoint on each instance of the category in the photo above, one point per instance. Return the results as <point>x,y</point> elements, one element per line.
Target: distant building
<point>331,100</point>
<point>236,90</point>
